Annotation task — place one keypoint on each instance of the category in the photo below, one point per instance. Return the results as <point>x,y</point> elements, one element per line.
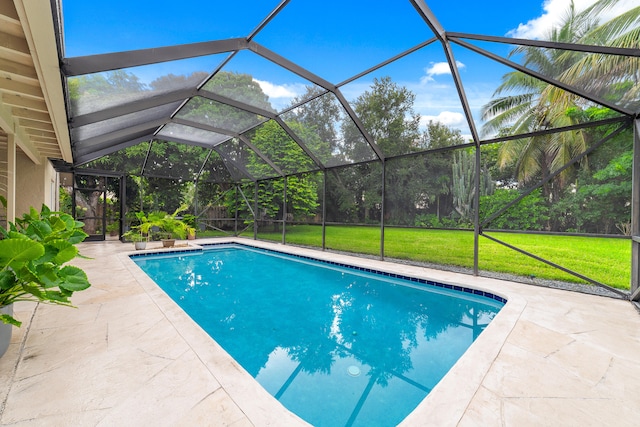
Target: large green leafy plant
<point>168,225</point>
<point>32,256</point>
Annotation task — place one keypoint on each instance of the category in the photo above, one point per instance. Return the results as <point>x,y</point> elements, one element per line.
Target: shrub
<point>530,213</point>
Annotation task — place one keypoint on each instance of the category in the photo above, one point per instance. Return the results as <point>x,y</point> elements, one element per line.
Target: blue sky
<point>102,26</point>
<point>334,39</point>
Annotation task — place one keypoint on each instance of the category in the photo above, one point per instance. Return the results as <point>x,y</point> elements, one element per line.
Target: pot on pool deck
<point>5,329</point>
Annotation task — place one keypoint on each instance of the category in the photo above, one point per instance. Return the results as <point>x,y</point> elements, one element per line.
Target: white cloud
<point>556,10</point>
<point>438,68</point>
<point>448,118</point>
<point>280,91</point>
<point>280,96</point>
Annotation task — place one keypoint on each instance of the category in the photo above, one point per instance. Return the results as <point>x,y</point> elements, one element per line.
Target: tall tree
<point>321,116</point>
<point>302,191</point>
<point>386,111</point>
<point>523,104</point>
<point>438,181</point>
<point>241,87</point>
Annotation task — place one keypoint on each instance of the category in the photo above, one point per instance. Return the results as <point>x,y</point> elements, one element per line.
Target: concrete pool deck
<point>128,355</point>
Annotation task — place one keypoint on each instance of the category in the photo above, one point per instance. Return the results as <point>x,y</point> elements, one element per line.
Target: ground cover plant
<point>603,259</point>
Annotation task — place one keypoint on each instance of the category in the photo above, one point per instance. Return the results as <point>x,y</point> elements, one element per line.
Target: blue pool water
<point>336,346</point>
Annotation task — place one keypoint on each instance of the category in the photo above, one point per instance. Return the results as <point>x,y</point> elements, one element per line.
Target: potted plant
<point>113,228</point>
<point>190,220</point>
<point>33,254</point>
<point>139,233</point>
<point>135,235</point>
<point>167,239</point>
<point>168,226</point>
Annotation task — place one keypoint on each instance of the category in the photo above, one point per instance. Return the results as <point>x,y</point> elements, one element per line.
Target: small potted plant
<point>32,256</point>
<point>190,221</point>
<point>135,235</point>
<point>113,228</point>
<point>138,233</point>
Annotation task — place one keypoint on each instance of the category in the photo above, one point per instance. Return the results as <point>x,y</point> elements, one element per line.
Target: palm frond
<point>504,118</point>
<point>510,151</point>
<point>629,40</point>
<point>518,82</point>
<point>524,123</point>
<point>598,8</point>
<point>499,105</point>
<point>613,29</point>
<point>532,160</point>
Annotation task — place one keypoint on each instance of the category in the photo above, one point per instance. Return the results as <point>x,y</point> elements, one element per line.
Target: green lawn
<point>212,233</point>
<point>603,259</point>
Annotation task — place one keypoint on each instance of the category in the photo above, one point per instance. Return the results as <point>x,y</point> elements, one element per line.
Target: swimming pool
<point>358,349</point>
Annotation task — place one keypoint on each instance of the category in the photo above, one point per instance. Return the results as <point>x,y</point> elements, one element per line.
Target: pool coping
<point>382,272</point>
<point>447,402</point>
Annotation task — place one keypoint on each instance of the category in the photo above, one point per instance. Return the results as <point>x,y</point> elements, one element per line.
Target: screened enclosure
<point>397,147</point>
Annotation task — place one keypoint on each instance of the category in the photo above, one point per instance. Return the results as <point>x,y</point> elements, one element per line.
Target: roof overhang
<point>32,103</point>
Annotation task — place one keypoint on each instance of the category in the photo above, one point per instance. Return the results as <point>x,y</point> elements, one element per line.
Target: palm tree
<point>525,104</point>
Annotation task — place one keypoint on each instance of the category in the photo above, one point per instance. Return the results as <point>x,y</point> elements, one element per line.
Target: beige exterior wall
<point>35,185</point>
